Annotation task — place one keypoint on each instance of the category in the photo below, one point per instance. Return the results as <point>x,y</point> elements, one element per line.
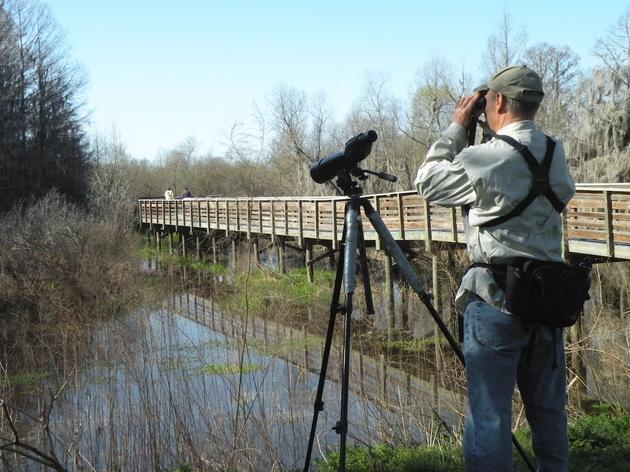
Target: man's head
<point>512,94</point>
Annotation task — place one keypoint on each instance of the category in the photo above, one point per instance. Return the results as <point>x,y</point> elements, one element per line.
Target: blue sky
<point>161,71</point>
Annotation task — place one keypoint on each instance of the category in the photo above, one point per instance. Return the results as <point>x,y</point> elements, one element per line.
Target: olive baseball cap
<point>517,82</point>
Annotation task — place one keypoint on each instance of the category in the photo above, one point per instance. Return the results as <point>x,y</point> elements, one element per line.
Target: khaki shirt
<point>492,178</point>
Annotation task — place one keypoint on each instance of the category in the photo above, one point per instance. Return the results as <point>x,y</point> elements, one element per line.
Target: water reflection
<point>165,384</point>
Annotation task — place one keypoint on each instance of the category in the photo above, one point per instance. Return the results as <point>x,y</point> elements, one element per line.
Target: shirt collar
<point>517,126</point>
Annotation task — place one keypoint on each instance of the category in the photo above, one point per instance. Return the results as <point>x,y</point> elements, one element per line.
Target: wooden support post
<point>383,377</point>
<point>170,242</point>
<point>436,332</point>
<point>214,249</point>
<point>198,241</point>
<point>331,259</point>
<point>389,296</point>
<point>308,248</point>
<point>183,236</point>
<point>404,308</point>
<point>256,252</point>
<point>234,253</point>
<point>158,245</point>
<point>281,264</point>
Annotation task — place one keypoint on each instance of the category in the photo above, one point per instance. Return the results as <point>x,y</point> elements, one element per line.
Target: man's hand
<point>464,108</point>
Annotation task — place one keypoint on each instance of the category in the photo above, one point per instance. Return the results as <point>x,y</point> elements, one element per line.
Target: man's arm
<point>441,178</point>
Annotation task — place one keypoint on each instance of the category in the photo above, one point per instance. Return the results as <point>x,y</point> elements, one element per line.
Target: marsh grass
<point>269,291</point>
<point>230,369</point>
<point>597,442</point>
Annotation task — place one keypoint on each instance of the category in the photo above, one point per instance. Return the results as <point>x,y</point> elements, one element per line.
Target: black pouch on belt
<point>547,293</point>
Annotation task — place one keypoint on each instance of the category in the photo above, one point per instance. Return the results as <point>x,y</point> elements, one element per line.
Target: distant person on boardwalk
<point>510,218</point>
<point>168,195</point>
<point>186,193</point>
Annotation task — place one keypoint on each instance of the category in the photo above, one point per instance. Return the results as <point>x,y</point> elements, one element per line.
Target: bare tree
<point>505,48</point>
<point>41,137</point>
<point>559,70</point>
<point>614,49</point>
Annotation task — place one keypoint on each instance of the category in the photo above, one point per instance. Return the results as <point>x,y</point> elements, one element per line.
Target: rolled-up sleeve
<point>441,178</point>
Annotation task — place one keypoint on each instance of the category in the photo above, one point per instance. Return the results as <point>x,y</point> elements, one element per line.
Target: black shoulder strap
<point>540,185</point>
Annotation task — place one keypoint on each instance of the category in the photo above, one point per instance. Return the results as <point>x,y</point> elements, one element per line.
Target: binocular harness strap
<point>540,185</point>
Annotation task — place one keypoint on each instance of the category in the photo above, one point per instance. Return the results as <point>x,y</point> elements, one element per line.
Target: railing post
<point>316,219</point>
<point>300,224</point>
<point>227,217</point>
<point>176,215</point>
<point>454,235</point>
<point>216,215</point>
<point>249,219</point>
<point>427,226</point>
<point>334,224</point>
<point>401,214</point>
<point>307,260</point>
<point>208,216</point>
<point>273,222</point>
<point>610,241</point>
<point>163,202</point>
<point>378,210</point>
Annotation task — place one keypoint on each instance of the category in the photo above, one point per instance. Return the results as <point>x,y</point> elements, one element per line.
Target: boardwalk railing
<point>597,220</point>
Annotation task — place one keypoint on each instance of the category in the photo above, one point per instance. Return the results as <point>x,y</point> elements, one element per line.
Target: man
<point>168,195</point>
<point>501,350</point>
<point>186,193</point>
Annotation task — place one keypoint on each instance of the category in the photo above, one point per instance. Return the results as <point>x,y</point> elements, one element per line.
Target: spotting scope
<point>356,149</point>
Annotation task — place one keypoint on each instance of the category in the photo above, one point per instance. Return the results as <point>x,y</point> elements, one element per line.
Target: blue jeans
<point>496,349</point>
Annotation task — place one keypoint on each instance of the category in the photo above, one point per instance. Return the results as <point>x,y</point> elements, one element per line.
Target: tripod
<point>353,240</point>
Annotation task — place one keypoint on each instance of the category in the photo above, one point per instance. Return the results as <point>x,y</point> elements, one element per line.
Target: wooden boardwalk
<point>596,221</point>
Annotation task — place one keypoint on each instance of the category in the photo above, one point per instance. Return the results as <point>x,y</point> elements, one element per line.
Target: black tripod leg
<point>334,309</point>
<point>352,237</point>
<point>408,272</point>
<point>365,273</point>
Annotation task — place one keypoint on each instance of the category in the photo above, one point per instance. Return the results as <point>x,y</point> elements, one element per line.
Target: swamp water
<point>185,382</point>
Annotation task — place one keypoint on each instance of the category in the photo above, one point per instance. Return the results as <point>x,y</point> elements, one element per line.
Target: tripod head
<point>344,165</point>
<point>351,187</point>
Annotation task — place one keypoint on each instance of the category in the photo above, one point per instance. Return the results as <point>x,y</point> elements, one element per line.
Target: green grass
<point>599,442</point>
<point>261,289</point>
<point>228,369</point>
<point>415,344</point>
<point>283,347</point>
<point>149,251</point>
<point>25,378</point>
<point>208,267</point>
